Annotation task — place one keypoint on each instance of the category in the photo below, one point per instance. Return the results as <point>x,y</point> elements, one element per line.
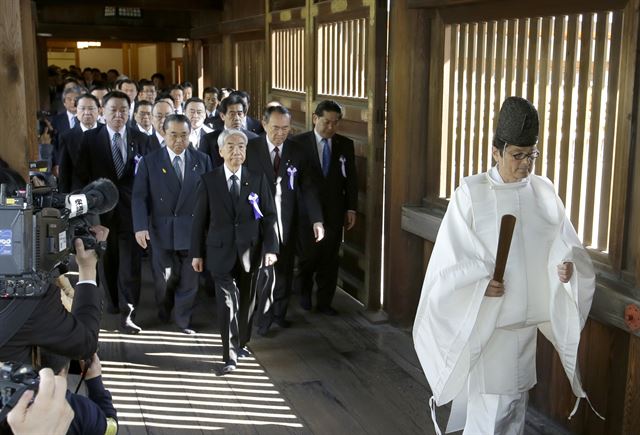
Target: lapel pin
<point>164,171</point>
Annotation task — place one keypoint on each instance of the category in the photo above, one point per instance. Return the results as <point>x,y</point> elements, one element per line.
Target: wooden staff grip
<point>507,225</point>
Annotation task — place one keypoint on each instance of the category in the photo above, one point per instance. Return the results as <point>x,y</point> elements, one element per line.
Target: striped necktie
<point>116,152</point>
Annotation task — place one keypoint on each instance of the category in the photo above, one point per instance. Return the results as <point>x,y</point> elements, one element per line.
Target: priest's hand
<point>495,289</point>
<point>565,271</point>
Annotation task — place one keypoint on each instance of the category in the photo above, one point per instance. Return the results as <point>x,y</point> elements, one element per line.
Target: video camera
<point>15,379</point>
<point>38,227</point>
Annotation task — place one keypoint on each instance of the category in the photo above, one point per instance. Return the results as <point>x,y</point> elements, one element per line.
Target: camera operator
<point>94,413</point>
<point>49,413</point>
<point>45,323</point>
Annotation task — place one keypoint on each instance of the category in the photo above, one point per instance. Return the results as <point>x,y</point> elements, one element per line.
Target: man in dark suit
<point>288,169</point>
<point>195,111</point>
<point>114,152</point>
<point>87,111</point>
<point>164,197</point>
<point>333,160</point>
<point>233,227</point>
<point>211,99</point>
<point>233,111</point>
<point>161,110</point>
<point>249,123</point>
<point>130,88</point>
<point>64,121</point>
<point>142,116</point>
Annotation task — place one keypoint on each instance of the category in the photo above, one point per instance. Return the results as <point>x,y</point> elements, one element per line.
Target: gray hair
<point>230,132</point>
<point>72,90</point>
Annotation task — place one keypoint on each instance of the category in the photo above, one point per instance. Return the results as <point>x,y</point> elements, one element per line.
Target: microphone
<point>97,197</point>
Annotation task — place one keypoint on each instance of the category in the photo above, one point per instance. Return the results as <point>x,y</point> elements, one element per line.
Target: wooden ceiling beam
<point>169,5</point>
<point>113,33</point>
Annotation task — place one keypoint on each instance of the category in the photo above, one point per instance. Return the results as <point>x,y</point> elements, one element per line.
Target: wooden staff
<point>507,226</point>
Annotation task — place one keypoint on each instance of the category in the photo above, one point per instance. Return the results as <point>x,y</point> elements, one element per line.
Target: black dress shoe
<point>128,327</point>
<point>283,323</point>
<point>328,311</point>
<point>244,352</point>
<point>305,303</point>
<point>228,368</point>
<point>263,331</point>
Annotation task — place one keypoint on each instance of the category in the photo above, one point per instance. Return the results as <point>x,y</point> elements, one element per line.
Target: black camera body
<point>38,228</point>
<point>15,379</point>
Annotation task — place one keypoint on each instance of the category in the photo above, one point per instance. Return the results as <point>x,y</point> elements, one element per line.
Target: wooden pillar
<point>18,91</point>
<point>163,60</point>
<point>406,156</point>
<point>43,74</point>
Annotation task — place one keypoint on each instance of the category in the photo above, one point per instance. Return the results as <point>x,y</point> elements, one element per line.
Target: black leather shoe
<point>328,311</point>
<point>228,368</point>
<point>305,302</point>
<point>128,327</point>
<point>244,352</point>
<point>283,323</point>
<point>263,331</point>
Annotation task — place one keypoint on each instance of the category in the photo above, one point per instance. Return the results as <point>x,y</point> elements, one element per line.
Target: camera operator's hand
<point>87,260</point>
<point>50,412</point>
<point>95,369</point>
<point>142,237</point>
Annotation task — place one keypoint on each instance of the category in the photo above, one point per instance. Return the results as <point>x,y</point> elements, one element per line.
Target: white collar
<point>173,155</point>
<point>112,131</point>
<point>228,173</point>
<point>89,128</point>
<point>496,181</point>
<point>272,146</point>
<point>320,138</point>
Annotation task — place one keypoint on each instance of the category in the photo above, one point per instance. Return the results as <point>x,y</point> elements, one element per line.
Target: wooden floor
<point>324,375</point>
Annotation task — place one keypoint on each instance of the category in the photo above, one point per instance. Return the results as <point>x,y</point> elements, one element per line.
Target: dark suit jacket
<point>305,181</point>
<point>209,145</point>
<point>229,232</point>
<point>254,126</point>
<point>163,205</point>
<point>214,121</point>
<point>52,327</point>
<point>60,123</point>
<point>69,152</point>
<point>96,161</point>
<point>337,192</point>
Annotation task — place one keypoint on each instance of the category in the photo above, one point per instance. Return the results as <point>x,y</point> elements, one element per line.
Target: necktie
<point>116,152</point>
<point>326,156</point>
<point>235,189</point>
<point>73,121</point>
<point>177,165</point>
<point>276,160</point>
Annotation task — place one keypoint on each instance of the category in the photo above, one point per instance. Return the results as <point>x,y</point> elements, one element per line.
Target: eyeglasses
<point>530,156</point>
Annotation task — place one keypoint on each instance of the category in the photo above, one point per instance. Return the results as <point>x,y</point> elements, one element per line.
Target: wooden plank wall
<point>608,355</point>
<point>18,75</point>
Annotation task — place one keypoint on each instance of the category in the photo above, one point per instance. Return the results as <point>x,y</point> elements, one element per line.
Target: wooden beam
<point>114,33</point>
<point>17,74</point>
<point>242,25</point>
<point>169,5</point>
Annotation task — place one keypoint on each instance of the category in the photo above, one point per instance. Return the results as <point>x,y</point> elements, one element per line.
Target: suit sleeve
<point>309,187</point>
<point>83,171</point>
<point>268,222</point>
<point>352,178</point>
<point>72,335</point>
<point>140,198</point>
<point>64,180</point>
<point>200,221</point>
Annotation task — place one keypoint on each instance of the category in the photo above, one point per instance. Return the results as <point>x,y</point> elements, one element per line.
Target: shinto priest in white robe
<point>469,343</point>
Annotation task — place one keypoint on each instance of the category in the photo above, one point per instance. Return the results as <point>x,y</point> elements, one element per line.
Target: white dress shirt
<point>182,157</point>
<point>123,149</point>
<point>320,145</point>
<point>228,174</point>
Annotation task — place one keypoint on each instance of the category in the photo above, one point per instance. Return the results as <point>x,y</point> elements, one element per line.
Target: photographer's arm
<point>73,335</point>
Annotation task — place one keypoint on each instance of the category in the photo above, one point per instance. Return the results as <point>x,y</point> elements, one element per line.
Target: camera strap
<point>14,315</point>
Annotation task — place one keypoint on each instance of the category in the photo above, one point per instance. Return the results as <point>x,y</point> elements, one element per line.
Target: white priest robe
<point>470,344</point>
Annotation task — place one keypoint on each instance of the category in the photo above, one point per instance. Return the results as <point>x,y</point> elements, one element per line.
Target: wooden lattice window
<point>287,59</point>
<point>568,67</point>
<point>341,69</point>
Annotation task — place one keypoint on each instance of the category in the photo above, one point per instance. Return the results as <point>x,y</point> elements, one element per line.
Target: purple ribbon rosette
<point>343,161</point>
<point>136,162</point>
<point>253,199</point>
<point>291,170</point>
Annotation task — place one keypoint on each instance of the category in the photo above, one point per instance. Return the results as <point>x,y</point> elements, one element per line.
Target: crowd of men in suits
<point>215,195</point>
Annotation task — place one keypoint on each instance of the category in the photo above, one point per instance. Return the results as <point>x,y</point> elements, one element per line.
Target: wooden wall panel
<point>18,76</point>
<point>250,66</point>
<point>409,46</point>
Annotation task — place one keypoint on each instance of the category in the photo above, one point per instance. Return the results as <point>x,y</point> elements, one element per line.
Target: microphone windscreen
<point>102,195</point>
